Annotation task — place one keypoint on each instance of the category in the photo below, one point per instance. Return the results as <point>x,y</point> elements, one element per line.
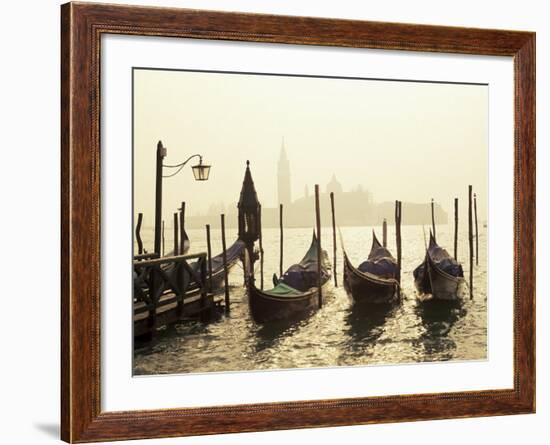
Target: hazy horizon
<point>399,140</point>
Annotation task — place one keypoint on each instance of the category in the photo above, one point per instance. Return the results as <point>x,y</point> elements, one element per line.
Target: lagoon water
<point>339,334</point>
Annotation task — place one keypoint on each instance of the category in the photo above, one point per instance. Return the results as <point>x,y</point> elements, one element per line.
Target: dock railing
<point>155,277</point>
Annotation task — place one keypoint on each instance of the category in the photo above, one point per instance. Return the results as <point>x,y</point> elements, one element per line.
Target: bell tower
<point>283,177</point>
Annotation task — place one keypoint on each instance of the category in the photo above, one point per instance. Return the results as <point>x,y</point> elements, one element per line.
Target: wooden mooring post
<point>261,247</point>
<point>176,233</point>
<point>206,312</point>
<point>456,230</point>
<point>398,236</point>
<point>138,234</point>
<point>161,153</point>
<point>182,228</point>
<point>163,240</point>
<point>281,240</point>
<point>477,233</point>
<point>225,273</point>
<point>385,233</point>
<point>471,241</point>
<point>433,219</point>
<point>209,250</point>
<point>319,256</point>
<point>334,247</point>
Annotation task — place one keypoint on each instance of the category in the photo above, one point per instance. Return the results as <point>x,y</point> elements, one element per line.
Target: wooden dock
<point>170,289</point>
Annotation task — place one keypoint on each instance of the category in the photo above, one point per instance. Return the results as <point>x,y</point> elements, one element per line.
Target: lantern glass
<point>201,171</point>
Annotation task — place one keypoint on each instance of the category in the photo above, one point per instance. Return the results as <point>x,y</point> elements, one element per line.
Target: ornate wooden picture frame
<point>82,26</point>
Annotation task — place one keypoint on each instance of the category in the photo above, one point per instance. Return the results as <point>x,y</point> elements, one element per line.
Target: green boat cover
<point>301,277</point>
<point>283,290</point>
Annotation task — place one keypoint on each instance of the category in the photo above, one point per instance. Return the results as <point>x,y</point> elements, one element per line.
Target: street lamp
<point>201,172</point>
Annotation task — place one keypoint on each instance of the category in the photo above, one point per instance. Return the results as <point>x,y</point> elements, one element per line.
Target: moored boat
<point>233,255</point>
<point>295,295</point>
<point>376,279</point>
<point>439,276</point>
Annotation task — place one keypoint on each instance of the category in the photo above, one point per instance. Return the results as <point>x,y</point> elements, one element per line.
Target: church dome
<point>334,186</point>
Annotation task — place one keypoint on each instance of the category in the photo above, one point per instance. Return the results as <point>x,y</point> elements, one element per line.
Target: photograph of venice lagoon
<point>340,333</point>
<point>261,159</point>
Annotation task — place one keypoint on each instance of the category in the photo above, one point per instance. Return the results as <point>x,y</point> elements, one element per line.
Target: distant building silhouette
<point>283,178</point>
<point>334,186</point>
<point>354,207</point>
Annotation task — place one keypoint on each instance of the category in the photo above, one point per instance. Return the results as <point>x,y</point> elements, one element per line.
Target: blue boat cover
<point>380,261</point>
<point>442,260</point>
<point>303,276</point>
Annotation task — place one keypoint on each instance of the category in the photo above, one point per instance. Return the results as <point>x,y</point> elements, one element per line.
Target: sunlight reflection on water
<point>340,334</point>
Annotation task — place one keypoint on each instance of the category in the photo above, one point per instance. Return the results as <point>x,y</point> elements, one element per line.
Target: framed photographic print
<point>276,222</point>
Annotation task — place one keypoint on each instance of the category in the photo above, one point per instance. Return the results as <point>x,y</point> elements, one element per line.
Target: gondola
<point>376,279</point>
<point>233,254</point>
<point>440,276</point>
<point>295,295</point>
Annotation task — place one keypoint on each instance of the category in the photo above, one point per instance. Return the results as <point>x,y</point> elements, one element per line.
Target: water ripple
<point>340,334</point>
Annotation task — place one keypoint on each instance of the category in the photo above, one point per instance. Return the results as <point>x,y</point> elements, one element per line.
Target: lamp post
<point>201,172</point>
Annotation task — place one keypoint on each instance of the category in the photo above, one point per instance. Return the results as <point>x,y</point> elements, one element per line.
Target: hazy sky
<point>400,140</point>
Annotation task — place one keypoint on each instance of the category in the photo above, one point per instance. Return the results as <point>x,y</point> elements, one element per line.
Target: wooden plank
<point>145,256</point>
<point>171,259</point>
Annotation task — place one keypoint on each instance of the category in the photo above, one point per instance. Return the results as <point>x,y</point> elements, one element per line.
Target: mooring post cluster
<point>250,231</point>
